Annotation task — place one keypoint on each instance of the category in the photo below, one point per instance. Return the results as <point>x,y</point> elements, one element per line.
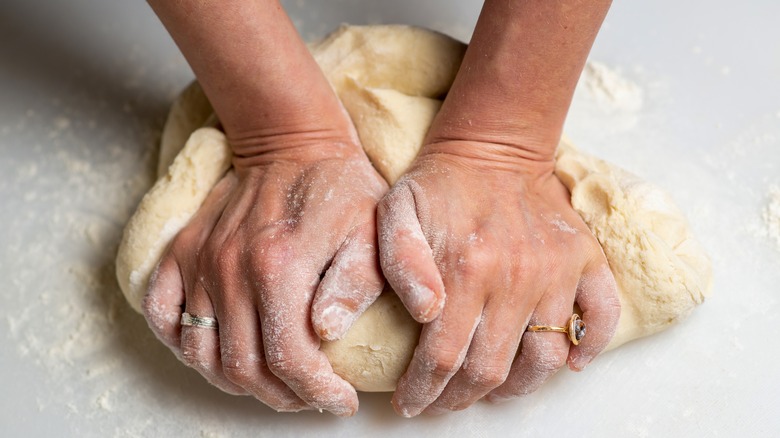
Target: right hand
<point>281,248</point>
<point>283,252</point>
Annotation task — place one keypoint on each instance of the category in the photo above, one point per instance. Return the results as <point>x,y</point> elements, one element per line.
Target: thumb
<point>351,284</point>
<point>406,257</point>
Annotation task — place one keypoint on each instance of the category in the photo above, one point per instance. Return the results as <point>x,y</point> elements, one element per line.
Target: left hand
<point>494,234</point>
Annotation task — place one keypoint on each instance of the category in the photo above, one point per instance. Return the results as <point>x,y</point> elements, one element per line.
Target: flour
<point>611,89</point>
<point>72,169</point>
<point>64,202</point>
<point>615,94</point>
<point>771,215</point>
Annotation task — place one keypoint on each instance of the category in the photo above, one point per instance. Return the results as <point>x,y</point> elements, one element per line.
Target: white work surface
<point>85,86</point>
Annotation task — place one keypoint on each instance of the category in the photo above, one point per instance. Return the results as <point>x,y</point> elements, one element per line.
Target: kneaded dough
<point>391,80</point>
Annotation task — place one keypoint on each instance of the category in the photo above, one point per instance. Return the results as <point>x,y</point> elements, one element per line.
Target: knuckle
<point>395,265</point>
<point>486,376</point>
<point>477,259</point>
<point>291,365</point>
<point>527,262</point>
<point>238,369</point>
<point>284,366</point>
<point>365,284</point>
<point>443,364</point>
<point>192,355</point>
<point>361,279</point>
<point>304,376</point>
<point>271,256</point>
<point>549,361</point>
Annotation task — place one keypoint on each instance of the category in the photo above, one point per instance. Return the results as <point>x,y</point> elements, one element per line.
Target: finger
<point>443,345</point>
<point>240,355</point>
<point>542,354</point>
<point>487,363</point>
<point>406,257</point>
<point>200,345</point>
<point>353,281</point>
<point>597,296</point>
<point>163,303</point>
<point>243,359</point>
<point>291,346</point>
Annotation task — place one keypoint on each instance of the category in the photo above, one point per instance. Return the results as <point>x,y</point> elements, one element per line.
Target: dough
<point>391,80</point>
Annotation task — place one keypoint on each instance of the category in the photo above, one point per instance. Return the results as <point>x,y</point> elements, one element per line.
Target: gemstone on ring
<point>577,329</point>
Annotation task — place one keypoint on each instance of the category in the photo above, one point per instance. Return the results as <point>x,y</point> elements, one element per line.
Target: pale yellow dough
<point>391,80</point>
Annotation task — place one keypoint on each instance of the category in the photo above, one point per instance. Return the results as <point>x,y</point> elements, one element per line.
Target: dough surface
<point>391,80</point>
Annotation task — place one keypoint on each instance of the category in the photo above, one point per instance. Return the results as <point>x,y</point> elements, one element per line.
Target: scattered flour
<point>772,215</point>
<point>62,308</point>
<point>71,194</point>
<point>610,89</point>
<point>618,94</point>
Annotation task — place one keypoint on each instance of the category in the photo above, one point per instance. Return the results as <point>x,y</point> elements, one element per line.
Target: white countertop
<point>85,86</point>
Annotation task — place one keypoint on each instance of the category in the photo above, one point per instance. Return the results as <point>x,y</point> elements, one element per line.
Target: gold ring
<point>575,329</point>
<point>189,320</point>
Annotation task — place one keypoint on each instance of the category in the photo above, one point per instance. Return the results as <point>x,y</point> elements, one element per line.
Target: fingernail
<point>578,364</point>
<point>336,320</point>
<point>343,411</point>
<point>405,412</point>
<point>408,411</point>
<point>294,408</point>
<point>424,298</point>
<point>436,410</point>
<point>496,399</point>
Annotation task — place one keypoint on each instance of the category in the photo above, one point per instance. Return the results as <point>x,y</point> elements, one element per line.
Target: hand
<point>478,244</point>
<point>283,247</point>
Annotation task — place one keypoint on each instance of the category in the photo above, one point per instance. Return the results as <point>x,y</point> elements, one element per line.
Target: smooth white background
<point>84,88</point>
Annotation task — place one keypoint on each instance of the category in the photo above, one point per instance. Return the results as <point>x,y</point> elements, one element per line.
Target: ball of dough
<point>391,80</point>
<point>378,347</point>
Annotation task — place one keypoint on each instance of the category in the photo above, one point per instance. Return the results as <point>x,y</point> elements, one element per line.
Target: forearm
<point>517,79</point>
<point>254,67</point>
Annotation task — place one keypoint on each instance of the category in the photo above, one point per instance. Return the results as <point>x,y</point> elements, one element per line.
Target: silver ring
<point>198,321</point>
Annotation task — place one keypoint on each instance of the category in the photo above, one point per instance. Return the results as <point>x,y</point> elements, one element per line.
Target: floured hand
<point>271,240</point>
<point>282,252</point>
<point>499,248</point>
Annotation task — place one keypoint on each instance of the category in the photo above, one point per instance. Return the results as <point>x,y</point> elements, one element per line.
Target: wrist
<point>301,147</point>
<point>488,157</point>
<point>523,140</point>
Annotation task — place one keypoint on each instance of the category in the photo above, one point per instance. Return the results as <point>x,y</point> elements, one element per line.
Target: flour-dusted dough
<point>661,271</point>
<point>190,111</point>
<point>167,208</point>
<point>391,80</point>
